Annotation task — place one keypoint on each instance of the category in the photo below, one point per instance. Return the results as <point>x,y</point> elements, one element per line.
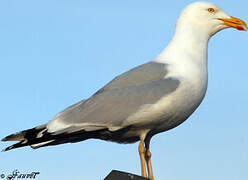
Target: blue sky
<point>55,53</point>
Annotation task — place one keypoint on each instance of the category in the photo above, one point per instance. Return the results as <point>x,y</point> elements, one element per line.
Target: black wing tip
<point>8,148</point>
<point>5,139</point>
<point>17,145</point>
<point>14,137</point>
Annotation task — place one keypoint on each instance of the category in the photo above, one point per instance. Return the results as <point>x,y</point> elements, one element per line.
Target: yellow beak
<point>235,23</point>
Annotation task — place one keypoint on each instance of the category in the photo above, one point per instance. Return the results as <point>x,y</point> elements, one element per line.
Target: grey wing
<point>113,105</point>
<point>151,71</point>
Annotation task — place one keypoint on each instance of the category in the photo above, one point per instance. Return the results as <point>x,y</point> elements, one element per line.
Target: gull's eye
<point>211,10</point>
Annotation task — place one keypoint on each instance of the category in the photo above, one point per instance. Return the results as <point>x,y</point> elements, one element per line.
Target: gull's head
<point>207,18</point>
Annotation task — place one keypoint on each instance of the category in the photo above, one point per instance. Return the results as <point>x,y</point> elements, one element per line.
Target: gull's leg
<point>149,164</point>
<point>148,156</point>
<point>142,158</point>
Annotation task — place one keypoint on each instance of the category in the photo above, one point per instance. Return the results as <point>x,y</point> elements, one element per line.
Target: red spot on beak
<point>241,28</point>
<point>235,23</point>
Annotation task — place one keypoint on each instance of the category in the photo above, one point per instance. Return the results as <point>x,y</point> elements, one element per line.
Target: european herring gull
<point>146,100</point>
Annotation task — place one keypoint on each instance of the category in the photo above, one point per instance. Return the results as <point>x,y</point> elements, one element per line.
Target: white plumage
<point>146,100</point>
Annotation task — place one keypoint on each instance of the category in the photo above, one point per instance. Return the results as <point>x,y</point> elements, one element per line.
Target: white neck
<point>187,42</point>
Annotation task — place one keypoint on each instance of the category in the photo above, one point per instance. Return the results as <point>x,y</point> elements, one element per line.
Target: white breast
<point>174,108</point>
<point>178,106</point>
